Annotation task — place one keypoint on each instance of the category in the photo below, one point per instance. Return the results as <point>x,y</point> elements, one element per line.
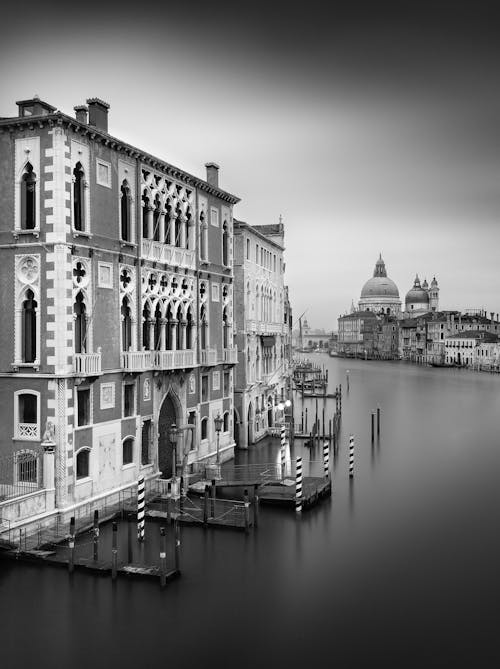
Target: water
<point>399,569</point>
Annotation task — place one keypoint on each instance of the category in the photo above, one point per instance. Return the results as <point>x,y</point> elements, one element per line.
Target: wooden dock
<point>314,489</point>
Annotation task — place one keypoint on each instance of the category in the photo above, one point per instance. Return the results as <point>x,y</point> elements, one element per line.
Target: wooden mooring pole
<point>129,538</point>
<point>163,557</point>
<point>373,427</point>
<point>298,485</point>
<point>351,456</point>
<point>205,505</point>
<point>246,501</point>
<point>177,544</point>
<point>71,544</point>
<point>96,535</point>
<point>378,421</point>
<point>255,506</point>
<point>114,551</point>
<point>141,525</point>
<point>214,491</point>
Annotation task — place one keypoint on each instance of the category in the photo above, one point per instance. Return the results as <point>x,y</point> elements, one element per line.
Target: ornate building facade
<point>118,322</point>
<point>263,321</point>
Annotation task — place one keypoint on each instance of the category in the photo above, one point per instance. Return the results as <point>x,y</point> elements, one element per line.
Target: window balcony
<point>271,328</point>
<point>169,255</point>
<point>87,364</point>
<point>230,355</point>
<point>208,356</point>
<point>174,359</point>
<point>137,361</point>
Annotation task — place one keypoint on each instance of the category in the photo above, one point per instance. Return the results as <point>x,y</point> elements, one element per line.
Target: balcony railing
<point>87,364</point>
<point>208,356</point>
<point>230,355</point>
<point>174,359</point>
<point>170,255</point>
<point>262,327</point>
<point>137,361</point>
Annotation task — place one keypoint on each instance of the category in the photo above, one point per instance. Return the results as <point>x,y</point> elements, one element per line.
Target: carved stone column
<point>163,334</point>
<point>173,334</point>
<point>183,325</point>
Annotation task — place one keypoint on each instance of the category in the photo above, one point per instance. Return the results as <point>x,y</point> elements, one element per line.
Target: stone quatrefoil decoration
<point>28,269</point>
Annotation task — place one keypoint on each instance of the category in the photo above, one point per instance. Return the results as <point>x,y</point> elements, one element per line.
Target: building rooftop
<point>487,337</point>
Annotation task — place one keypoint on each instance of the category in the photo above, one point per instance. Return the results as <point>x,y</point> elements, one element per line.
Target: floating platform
<point>314,489</point>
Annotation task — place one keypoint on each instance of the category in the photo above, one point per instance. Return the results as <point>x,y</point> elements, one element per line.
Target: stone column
<point>173,334</point>
<point>183,325</point>
<point>49,479</point>
<point>161,227</point>
<point>163,334</point>
<point>149,221</point>
<point>151,323</point>
<point>172,231</point>
<point>182,239</point>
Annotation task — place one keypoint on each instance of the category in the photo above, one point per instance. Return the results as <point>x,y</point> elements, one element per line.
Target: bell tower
<point>434,295</point>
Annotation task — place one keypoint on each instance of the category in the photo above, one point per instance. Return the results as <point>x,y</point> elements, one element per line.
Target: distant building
<point>473,348</point>
<point>357,334</point>
<point>311,339</point>
<point>421,298</point>
<point>380,294</point>
<point>263,321</point>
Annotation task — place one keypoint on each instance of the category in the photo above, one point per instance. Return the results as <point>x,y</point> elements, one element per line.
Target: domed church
<point>421,299</point>
<point>380,294</point>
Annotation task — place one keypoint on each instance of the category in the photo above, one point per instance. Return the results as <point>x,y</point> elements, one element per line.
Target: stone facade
<point>263,321</point>
<point>117,296</point>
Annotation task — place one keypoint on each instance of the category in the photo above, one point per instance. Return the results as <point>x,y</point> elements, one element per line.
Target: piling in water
<point>96,535</point>
<point>163,557</point>
<point>71,544</point>
<point>114,551</point>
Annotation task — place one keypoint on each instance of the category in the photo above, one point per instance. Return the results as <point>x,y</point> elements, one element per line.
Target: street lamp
<point>218,420</point>
<point>173,433</point>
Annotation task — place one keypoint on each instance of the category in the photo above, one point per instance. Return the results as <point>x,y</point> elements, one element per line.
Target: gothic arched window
<point>29,328</point>
<point>80,315</point>
<point>146,319</point>
<point>28,198</point>
<point>126,325</point>
<point>78,197</point>
<point>225,244</point>
<point>125,202</point>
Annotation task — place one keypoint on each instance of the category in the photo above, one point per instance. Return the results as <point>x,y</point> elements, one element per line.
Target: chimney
<point>492,313</point>
<point>98,113</point>
<point>81,113</point>
<point>212,174</point>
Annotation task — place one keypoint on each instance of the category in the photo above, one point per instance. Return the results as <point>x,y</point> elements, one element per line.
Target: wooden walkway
<point>314,489</point>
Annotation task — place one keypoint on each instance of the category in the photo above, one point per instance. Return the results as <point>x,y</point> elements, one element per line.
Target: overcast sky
<point>374,128</point>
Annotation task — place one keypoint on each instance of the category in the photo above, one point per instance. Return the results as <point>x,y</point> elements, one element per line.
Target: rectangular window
<point>215,292</point>
<point>105,275</point>
<point>107,395</point>
<point>103,173</point>
<point>129,399</point>
<point>248,249</point>
<point>192,421</point>
<point>256,253</point>
<point>227,384</point>
<point>204,388</point>
<point>83,402</point>
<point>145,441</point>
<point>27,417</point>
<point>216,381</point>
<point>214,217</point>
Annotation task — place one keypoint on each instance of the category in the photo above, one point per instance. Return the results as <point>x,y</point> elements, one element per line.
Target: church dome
<point>417,294</point>
<point>379,285</point>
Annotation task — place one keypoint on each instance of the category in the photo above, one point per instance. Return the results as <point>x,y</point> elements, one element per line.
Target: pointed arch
<point>28,198</point>
<point>79,197</point>
<point>125,211</point>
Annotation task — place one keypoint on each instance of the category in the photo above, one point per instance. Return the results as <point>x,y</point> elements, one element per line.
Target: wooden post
<point>140,509</point>
<point>298,485</point>
<point>323,421</point>
<point>247,510</point>
<point>129,538</point>
<point>214,491</point>
<point>255,506</point>
<point>306,423</point>
<point>326,459</point>
<point>330,430</point>
<point>302,422</point>
<point>71,544</point>
<point>205,506</point>
<point>351,456</point>
<point>378,421</point>
<point>163,557</point>
<point>181,496</point>
<point>177,545</point>
<point>114,551</point>
<point>282,450</point>
<point>373,426</point>
<point>96,535</point>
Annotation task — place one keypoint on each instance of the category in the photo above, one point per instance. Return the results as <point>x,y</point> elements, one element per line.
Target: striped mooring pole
<point>351,456</point>
<point>282,451</point>
<point>140,509</point>
<point>326,458</point>
<point>298,485</point>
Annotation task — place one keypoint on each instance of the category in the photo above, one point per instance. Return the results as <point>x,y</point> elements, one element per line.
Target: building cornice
<point>60,119</point>
<point>241,225</point>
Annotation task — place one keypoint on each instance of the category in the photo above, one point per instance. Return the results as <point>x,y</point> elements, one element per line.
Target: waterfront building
<point>473,348</point>
<point>357,334</point>
<point>117,302</point>
<point>380,294</point>
<point>311,339</point>
<point>263,321</point>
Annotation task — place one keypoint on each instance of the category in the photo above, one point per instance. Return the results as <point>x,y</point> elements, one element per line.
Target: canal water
<point>398,569</point>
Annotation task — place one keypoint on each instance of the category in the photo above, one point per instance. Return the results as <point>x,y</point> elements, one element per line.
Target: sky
<point>370,127</point>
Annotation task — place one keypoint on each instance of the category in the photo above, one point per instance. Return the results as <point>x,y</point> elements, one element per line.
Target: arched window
<point>225,244</point>
<point>146,212</point>
<point>225,426</point>
<point>82,463</point>
<point>178,227</point>
<point>203,237</point>
<point>225,329</point>
<point>27,415</point>
<point>29,316</point>
<point>126,325</point>
<point>189,329</point>
<point>156,219</point>
<point>128,451</point>
<point>146,320</point>
<point>28,198</point>
<point>204,428</point>
<point>203,327</point>
<point>79,197</point>
<point>80,316</point>
<point>125,203</point>
<point>158,326</point>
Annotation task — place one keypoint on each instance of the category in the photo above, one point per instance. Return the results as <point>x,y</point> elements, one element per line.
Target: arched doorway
<point>250,424</point>
<point>165,449</point>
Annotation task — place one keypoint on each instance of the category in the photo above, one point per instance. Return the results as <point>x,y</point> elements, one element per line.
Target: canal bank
<point>397,568</point>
